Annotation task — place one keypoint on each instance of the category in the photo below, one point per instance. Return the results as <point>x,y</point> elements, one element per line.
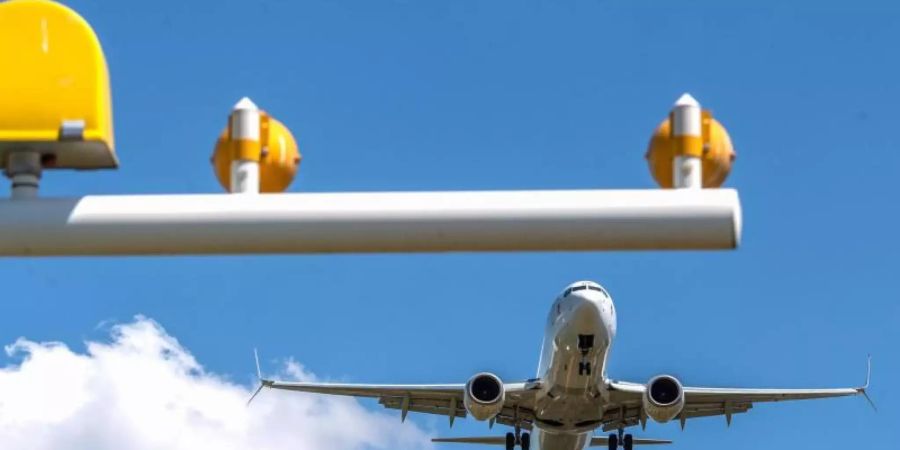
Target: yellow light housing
<point>717,153</point>
<point>279,156</point>
<point>54,87</point>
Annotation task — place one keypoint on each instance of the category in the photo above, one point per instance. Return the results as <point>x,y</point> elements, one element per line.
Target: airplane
<point>571,396</point>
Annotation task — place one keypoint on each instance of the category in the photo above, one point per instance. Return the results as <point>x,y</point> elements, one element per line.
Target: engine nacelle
<point>663,398</point>
<point>484,396</point>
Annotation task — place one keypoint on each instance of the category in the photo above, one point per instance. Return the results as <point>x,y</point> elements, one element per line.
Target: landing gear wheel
<point>613,441</point>
<point>510,441</point>
<point>526,441</point>
<point>628,443</point>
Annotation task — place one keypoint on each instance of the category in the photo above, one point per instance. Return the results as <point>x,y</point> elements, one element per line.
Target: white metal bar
<point>245,127</point>
<point>372,222</point>
<point>244,177</point>
<point>688,172</point>
<point>687,121</point>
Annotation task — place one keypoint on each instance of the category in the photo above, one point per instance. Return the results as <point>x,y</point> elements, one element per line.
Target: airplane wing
<point>439,399</point>
<point>708,401</point>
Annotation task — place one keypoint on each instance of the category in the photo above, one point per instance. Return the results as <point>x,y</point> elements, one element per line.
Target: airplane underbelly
<point>560,441</point>
<point>571,400</point>
<point>578,350</point>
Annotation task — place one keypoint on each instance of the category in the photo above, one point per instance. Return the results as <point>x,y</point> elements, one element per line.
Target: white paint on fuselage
<point>571,401</point>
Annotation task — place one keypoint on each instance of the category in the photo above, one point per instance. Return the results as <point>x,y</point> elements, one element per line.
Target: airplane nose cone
<point>589,311</point>
<point>594,312</point>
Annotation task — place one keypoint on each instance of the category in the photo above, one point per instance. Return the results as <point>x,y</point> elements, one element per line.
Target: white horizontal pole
<point>371,222</point>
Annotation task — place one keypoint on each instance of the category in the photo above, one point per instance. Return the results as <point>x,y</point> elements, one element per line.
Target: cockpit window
<point>583,287</point>
<point>598,289</point>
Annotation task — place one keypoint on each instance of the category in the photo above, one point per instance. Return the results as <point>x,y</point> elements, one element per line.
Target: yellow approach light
<point>714,149</point>
<point>255,153</point>
<point>54,91</point>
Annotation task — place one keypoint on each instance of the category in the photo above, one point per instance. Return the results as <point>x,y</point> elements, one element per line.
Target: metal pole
<point>24,169</point>
<point>244,127</point>
<point>579,220</point>
<point>688,134</point>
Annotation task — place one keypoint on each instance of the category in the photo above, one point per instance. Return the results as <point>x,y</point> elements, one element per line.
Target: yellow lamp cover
<point>54,87</point>
<point>278,161</point>
<point>717,158</point>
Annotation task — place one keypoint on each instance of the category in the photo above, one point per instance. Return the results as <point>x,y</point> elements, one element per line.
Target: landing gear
<point>584,368</point>
<point>585,343</point>
<point>524,441</point>
<point>613,442</point>
<point>625,440</point>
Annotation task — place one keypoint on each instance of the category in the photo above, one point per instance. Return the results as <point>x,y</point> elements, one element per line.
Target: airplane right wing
<point>439,399</point>
<point>442,399</point>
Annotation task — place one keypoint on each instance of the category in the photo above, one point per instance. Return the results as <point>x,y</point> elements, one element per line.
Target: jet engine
<point>663,398</point>
<point>484,396</point>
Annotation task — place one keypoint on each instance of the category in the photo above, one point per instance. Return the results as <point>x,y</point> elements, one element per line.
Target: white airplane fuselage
<point>572,369</point>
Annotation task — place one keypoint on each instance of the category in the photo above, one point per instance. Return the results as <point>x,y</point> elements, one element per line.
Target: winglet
<point>862,390</point>
<point>868,370</point>
<point>262,382</point>
<point>259,372</point>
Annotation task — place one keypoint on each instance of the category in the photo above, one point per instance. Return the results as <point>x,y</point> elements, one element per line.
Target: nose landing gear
<point>584,368</point>
<point>626,441</point>
<point>585,343</point>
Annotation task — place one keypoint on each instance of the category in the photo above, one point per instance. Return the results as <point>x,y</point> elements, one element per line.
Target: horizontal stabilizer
<point>500,440</point>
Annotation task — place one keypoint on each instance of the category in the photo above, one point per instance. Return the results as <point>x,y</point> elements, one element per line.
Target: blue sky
<point>401,95</point>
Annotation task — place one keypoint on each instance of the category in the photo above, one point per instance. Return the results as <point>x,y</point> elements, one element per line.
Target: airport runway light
<point>255,153</point>
<point>54,92</point>
<point>690,149</point>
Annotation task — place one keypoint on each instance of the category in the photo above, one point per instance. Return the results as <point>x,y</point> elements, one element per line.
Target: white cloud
<point>143,390</point>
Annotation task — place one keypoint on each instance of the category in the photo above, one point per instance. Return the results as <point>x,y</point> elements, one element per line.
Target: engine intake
<point>484,396</point>
<point>663,398</point>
